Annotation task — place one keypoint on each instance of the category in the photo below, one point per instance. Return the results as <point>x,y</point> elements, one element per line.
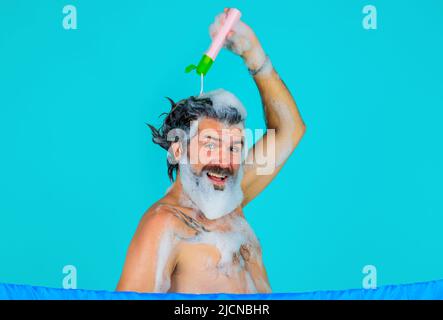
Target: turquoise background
<point>78,169</point>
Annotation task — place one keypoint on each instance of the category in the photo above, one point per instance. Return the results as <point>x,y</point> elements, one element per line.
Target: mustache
<point>218,170</point>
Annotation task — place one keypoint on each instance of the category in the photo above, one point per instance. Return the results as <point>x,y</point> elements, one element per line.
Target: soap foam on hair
<point>222,99</point>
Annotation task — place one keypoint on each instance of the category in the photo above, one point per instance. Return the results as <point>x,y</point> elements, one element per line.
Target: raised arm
<point>284,124</point>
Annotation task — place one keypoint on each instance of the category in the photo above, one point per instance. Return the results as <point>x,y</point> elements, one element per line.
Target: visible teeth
<point>216,175</point>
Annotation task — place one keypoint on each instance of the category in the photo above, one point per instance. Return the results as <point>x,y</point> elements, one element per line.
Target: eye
<point>210,146</point>
<point>235,149</point>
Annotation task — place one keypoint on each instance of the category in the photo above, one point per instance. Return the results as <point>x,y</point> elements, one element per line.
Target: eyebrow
<point>239,142</point>
<point>209,137</point>
<point>212,138</point>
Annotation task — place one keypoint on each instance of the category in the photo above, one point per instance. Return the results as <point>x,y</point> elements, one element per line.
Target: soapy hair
<point>219,105</point>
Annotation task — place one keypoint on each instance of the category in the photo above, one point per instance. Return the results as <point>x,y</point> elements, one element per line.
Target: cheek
<point>193,152</point>
<point>235,168</point>
<point>208,156</point>
<point>236,159</point>
<point>197,168</point>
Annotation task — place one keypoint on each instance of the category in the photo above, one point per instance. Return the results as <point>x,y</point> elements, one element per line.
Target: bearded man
<point>196,238</point>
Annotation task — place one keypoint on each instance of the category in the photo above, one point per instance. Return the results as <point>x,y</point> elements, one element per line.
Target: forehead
<point>212,127</point>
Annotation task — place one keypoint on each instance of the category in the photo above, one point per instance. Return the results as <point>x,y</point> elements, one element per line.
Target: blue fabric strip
<point>432,290</point>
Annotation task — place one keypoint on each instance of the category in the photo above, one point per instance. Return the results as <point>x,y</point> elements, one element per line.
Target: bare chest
<point>228,250</point>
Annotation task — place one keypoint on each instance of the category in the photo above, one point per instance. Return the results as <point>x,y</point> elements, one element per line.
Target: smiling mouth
<point>217,179</point>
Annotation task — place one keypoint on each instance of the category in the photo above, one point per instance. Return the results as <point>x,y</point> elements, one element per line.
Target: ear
<point>176,151</point>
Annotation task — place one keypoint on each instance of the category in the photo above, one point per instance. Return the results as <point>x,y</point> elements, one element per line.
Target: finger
<point>217,18</point>
<point>223,18</point>
<point>213,29</point>
<point>215,26</point>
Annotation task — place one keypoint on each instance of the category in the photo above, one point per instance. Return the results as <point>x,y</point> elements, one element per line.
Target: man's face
<point>215,152</point>
<point>211,172</point>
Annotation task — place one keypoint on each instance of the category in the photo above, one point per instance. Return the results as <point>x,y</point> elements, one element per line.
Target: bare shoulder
<point>156,220</point>
<point>164,218</point>
<point>155,228</point>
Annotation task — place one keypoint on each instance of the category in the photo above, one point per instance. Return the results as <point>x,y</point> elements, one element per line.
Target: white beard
<point>200,190</point>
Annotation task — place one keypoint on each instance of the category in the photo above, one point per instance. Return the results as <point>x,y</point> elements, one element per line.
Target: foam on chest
<point>229,242</point>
